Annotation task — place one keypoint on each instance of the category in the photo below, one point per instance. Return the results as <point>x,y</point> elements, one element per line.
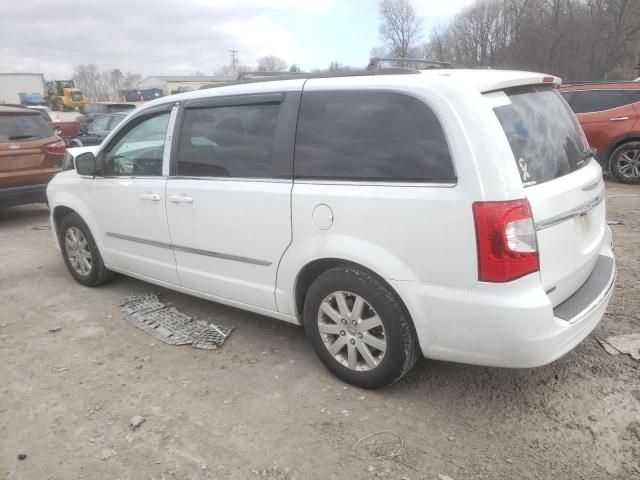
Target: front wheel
<point>625,163</point>
<point>80,252</point>
<point>358,328</point>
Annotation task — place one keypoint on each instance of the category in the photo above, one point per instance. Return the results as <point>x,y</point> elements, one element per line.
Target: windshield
<point>545,137</point>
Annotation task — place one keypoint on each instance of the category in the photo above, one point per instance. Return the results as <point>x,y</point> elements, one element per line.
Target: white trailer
<point>15,86</point>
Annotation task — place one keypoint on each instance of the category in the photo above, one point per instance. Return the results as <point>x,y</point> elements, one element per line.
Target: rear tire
<point>625,163</point>
<point>80,252</point>
<point>358,328</point>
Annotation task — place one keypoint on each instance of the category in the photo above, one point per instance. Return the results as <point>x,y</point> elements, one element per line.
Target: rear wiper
<point>20,137</point>
<point>588,153</point>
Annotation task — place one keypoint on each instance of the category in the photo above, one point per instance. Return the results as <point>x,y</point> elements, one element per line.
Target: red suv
<point>610,117</point>
<point>30,155</point>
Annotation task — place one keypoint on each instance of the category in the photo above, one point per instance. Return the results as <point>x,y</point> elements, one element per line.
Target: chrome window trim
<point>574,212</point>
<point>369,183</point>
<point>196,251</point>
<point>233,179</point>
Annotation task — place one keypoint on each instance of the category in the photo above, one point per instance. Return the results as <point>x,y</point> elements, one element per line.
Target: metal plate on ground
<point>169,325</point>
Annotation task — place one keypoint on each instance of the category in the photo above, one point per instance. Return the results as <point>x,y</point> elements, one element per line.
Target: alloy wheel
<point>628,164</point>
<point>352,331</point>
<point>77,249</point>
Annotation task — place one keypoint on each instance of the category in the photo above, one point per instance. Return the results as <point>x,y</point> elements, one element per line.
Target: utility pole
<point>234,59</point>
<point>638,65</point>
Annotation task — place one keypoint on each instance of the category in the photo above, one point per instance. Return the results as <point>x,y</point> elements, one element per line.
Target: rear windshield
<point>120,108</point>
<point>23,127</point>
<point>543,132</point>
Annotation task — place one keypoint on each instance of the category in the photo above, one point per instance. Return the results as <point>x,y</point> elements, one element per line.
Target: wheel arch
<point>635,137</point>
<point>59,213</point>
<point>313,269</point>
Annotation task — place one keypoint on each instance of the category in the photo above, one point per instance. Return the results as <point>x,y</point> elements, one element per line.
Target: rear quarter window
<point>367,135</point>
<point>23,127</point>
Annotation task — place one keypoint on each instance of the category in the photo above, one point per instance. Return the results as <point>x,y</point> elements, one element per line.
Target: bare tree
<point>575,39</point>
<point>106,85</point>
<point>400,27</point>
<point>271,63</point>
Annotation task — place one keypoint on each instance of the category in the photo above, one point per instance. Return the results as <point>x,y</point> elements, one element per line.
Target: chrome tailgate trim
<point>574,212</point>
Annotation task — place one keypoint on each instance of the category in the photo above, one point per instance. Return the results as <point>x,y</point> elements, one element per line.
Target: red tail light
<point>506,239</point>
<point>57,147</point>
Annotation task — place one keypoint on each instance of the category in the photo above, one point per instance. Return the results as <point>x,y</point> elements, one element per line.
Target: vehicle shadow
<point>11,216</point>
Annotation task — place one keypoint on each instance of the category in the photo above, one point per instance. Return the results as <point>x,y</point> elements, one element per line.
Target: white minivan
<point>456,214</point>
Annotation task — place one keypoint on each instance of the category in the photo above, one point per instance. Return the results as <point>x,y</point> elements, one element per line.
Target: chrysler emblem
<point>14,146</point>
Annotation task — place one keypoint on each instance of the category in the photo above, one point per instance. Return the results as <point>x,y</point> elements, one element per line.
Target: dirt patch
<point>74,374</point>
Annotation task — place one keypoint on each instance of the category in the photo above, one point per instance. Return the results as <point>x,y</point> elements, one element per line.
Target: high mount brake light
<point>506,240</point>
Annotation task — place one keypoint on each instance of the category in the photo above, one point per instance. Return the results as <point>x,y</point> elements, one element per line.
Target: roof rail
<point>374,63</point>
<point>302,75</point>
<point>270,75</point>
<point>594,82</point>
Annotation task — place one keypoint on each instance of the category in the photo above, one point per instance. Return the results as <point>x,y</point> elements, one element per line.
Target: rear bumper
<point>20,195</point>
<point>506,325</point>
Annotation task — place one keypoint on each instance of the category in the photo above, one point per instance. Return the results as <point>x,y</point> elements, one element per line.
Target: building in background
<point>170,84</point>
<point>14,87</point>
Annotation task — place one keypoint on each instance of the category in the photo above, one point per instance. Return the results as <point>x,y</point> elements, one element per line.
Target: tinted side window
<point>382,136</point>
<point>140,150</point>
<point>228,141</point>
<point>598,100</point>
<point>633,96</point>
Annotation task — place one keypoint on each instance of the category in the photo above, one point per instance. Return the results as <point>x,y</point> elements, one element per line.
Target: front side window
<point>633,96</point>
<point>545,137</point>
<point>139,151</point>
<point>228,141</point>
<point>589,101</point>
<point>367,135</point>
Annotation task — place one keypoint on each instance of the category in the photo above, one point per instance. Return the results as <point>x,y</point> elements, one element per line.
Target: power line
<point>234,59</point>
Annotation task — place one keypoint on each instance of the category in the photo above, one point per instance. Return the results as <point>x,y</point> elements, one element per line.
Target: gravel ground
<point>74,374</point>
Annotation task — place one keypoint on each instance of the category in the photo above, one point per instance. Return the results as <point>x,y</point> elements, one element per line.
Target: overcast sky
<point>165,37</point>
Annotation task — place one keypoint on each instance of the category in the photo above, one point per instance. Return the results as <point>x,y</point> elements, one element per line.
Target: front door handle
<point>619,119</point>
<point>180,199</point>
<point>150,196</point>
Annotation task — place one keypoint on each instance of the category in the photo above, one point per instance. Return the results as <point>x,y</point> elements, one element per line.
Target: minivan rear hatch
<point>562,181</point>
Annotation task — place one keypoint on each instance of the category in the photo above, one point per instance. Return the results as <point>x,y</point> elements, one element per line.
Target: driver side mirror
<point>86,164</point>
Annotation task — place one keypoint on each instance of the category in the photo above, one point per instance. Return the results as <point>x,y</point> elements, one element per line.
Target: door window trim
<point>284,138</point>
<point>124,127</point>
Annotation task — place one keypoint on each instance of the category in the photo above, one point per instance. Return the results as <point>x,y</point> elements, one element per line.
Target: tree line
<point>103,85</point>
<point>574,39</point>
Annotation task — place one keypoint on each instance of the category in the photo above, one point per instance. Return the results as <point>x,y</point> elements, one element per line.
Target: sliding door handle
<point>180,199</point>
<point>150,196</point>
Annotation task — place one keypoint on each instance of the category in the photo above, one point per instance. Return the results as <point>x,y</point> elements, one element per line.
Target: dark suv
<point>97,130</point>
<point>90,111</point>
<point>609,114</point>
